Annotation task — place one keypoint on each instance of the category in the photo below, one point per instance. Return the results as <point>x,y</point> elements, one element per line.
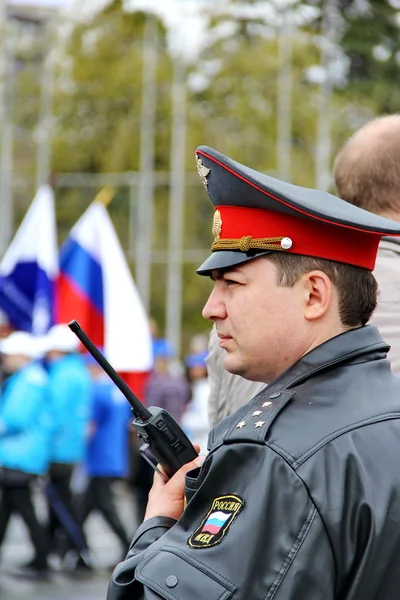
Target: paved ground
<point>60,586</point>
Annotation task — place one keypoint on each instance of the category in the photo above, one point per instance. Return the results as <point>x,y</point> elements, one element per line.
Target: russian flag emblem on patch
<point>215,525</point>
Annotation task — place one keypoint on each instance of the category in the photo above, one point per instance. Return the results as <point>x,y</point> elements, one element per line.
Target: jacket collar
<point>338,350</point>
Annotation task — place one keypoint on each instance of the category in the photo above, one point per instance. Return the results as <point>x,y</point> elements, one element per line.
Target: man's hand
<point>168,499</point>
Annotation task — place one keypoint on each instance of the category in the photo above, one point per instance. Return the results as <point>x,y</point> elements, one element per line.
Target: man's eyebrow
<point>218,274</point>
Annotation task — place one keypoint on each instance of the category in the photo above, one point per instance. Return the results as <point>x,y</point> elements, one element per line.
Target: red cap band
<point>309,237</point>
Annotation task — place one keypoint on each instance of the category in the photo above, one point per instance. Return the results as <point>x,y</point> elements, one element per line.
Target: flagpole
<point>144,225</point>
<point>3,62</point>
<point>176,205</point>
<point>284,96</point>
<point>6,136</point>
<point>45,111</point>
<point>6,167</point>
<point>329,35</point>
<point>105,195</point>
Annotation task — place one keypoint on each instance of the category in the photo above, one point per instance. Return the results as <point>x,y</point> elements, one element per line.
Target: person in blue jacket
<point>25,435</point>
<point>70,393</point>
<point>107,451</point>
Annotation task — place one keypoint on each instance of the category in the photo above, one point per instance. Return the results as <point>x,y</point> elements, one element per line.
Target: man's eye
<point>230,282</point>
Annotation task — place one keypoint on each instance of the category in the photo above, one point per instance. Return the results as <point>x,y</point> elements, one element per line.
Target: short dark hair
<point>367,168</point>
<point>357,287</point>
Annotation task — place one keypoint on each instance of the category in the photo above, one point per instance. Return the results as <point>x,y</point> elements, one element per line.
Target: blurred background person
<point>25,435</point>
<point>367,174</point>
<point>195,421</point>
<point>106,458</point>
<point>5,326</point>
<point>227,391</point>
<point>166,388</point>
<point>5,330</point>
<point>70,396</point>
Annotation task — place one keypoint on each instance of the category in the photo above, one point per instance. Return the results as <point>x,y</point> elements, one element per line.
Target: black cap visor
<point>223,259</point>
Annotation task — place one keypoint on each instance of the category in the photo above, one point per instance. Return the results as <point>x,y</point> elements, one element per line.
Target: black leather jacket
<point>305,505</point>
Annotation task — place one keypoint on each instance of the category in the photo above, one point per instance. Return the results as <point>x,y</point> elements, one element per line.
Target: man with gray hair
<point>367,174</point>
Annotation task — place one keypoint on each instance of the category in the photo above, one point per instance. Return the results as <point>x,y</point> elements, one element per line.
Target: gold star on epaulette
<point>259,423</point>
<point>241,424</point>
<point>257,412</point>
<point>267,403</point>
<point>203,171</point>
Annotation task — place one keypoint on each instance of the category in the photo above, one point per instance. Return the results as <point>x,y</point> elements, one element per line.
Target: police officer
<point>299,495</point>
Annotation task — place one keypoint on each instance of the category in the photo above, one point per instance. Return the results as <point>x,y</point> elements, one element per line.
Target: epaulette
<point>252,422</point>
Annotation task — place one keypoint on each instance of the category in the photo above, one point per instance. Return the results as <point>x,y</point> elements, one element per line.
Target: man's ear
<point>318,295</point>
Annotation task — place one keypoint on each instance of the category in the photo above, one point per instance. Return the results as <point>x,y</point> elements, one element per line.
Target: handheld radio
<point>164,441</point>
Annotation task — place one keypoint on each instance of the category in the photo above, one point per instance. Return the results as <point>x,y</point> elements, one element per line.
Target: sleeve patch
<point>215,525</point>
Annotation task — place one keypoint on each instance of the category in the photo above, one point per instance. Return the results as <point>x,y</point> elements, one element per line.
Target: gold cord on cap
<point>247,243</point>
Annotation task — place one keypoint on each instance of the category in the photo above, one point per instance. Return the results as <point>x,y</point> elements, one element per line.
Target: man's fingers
<point>178,480</point>
<point>159,483</point>
<point>167,499</point>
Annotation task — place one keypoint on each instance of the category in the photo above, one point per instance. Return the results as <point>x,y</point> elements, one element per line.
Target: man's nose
<point>214,308</point>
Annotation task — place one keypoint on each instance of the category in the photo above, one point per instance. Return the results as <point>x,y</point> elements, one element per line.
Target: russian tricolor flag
<point>216,520</point>
<point>29,268</point>
<point>96,288</point>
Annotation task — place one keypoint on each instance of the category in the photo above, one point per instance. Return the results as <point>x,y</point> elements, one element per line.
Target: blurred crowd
<point>65,432</point>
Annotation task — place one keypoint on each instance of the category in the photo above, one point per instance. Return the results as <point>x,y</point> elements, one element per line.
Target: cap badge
<point>217,225</point>
<point>203,171</point>
<point>215,525</point>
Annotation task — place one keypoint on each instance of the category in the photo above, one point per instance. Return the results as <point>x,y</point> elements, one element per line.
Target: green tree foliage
<point>237,112</point>
<point>372,42</point>
<point>98,102</point>
<point>232,98</point>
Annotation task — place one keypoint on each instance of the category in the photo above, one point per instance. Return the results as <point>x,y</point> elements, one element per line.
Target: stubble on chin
<point>234,367</point>
<point>244,370</point>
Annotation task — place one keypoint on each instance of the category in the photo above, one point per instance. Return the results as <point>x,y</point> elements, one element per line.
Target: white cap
<point>21,342</point>
<point>60,338</point>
